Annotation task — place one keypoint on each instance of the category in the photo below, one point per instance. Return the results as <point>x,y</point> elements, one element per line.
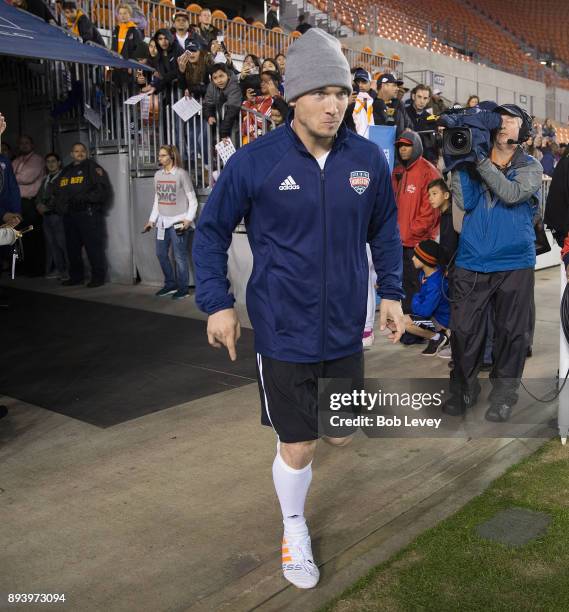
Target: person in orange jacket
<point>416,218</point>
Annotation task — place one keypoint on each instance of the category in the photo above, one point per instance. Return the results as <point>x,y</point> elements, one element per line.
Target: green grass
<point>451,568</point>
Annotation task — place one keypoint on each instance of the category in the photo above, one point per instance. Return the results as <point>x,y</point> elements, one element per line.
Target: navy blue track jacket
<point>307,229</point>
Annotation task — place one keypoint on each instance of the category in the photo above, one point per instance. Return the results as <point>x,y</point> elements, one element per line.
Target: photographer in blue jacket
<point>494,264</point>
<point>312,194</point>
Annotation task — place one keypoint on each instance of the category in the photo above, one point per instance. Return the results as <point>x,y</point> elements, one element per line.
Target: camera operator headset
<point>495,259</point>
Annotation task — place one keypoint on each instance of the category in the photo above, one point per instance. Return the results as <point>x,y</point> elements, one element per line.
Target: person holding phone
<point>251,126</point>
<point>193,76</point>
<point>173,213</point>
<point>249,78</point>
<point>218,54</point>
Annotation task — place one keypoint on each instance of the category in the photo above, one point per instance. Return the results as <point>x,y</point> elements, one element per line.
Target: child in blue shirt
<point>430,308</point>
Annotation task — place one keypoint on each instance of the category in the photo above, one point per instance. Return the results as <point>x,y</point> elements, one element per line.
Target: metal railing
<point>155,122</point>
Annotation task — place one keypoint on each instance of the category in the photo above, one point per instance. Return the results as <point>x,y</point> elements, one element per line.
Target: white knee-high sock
<point>292,487</point>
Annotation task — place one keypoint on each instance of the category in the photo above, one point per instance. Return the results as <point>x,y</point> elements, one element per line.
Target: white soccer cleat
<point>298,563</point>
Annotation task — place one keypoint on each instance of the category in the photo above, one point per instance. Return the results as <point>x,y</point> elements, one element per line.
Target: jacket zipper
<point>325,284</point>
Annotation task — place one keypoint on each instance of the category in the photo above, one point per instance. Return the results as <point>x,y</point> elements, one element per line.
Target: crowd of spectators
<point>185,56</point>
<point>194,60</point>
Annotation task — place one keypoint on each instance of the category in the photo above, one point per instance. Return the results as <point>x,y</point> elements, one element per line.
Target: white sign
<point>186,108</point>
<point>135,99</point>
<point>225,149</point>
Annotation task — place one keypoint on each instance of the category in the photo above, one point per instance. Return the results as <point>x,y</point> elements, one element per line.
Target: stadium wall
<point>558,104</point>
<point>461,78</point>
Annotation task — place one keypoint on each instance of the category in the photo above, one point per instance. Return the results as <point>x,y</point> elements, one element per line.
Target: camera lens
<point>459,140</point>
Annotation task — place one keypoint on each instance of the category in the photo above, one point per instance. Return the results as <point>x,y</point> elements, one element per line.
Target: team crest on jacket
<point>359,180</point>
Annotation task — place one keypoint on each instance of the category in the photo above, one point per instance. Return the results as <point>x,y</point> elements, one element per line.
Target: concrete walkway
<point>176,510</point>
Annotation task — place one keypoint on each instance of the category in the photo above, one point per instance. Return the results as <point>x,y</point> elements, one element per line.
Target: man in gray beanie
<point>312,194</point>
<point>316,60</point>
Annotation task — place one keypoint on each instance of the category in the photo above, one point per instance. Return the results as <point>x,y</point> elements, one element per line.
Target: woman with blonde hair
<point>173,213</point>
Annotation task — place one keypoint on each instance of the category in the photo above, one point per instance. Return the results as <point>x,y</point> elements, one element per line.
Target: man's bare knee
<point>298,455</point>
<point>338,441</point>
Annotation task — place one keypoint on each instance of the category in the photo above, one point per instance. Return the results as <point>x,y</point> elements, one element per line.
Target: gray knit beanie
<point>315,60</point>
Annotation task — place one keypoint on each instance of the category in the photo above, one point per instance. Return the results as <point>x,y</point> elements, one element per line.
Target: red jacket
<point>417,219</point>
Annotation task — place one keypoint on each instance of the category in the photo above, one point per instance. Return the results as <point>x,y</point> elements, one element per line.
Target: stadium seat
<point>194,8</point>
<point>542,25</point>
<point>219,14</point>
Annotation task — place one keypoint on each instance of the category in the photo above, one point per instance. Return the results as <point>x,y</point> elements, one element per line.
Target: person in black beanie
<point>430,308</point>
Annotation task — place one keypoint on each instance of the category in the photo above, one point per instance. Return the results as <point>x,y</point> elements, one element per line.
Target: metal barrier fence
<point>153,122</point>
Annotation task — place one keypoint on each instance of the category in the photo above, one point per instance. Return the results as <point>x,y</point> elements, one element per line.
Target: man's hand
<point>212,121</point>
<point>187,224</point>
<point>390,312</point>
<point>250,94</point>
<point>2,124</point>
<point>150,225</point>
<point>223,329</point>
<point>12,219</point>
